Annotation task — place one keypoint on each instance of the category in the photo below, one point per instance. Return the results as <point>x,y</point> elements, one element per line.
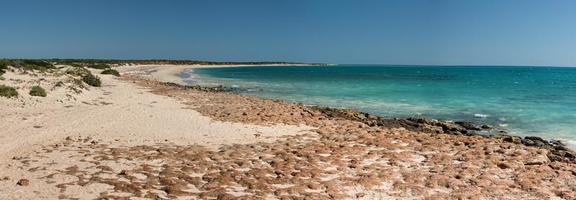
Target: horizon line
<point>294,62</point>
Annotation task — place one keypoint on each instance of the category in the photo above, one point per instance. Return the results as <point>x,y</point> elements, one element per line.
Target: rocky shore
<point>557,150</point>
<point>343,154</point>
<point>358,155</point>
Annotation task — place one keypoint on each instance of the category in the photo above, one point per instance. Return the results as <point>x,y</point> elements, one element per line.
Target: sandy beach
<point>139,137</point>
<point>118,113</point>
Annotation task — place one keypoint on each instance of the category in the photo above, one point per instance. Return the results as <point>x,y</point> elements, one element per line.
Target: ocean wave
<point>477,115</point>
<point>570,143</point>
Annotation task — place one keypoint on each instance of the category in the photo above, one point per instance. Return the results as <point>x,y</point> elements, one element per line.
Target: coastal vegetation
<point>77,70</point>
<point>28,64</point>
<point>158,62</point>
<point>3,67</point>
<point>7,91</point>
<point>111,71</point>
<point>92,80</point>
<point>99,66</point>
<point>37,91</point>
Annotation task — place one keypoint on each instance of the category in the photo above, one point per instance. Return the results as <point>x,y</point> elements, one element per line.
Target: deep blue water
<point>524,100</point>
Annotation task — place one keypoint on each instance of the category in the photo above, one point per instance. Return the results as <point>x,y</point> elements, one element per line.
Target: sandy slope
<point>118,113</point>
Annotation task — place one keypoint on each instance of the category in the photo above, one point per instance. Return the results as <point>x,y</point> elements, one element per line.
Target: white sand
<point>119,113</point>
<point>170,73</point>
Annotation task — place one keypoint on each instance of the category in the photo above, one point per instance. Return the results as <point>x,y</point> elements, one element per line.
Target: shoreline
<point>167,73</point>
<point>555,153</point>
<point>170,73</point>
<point>142,137</point>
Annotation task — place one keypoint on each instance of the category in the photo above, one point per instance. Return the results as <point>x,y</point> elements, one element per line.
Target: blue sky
<point>471,32</point>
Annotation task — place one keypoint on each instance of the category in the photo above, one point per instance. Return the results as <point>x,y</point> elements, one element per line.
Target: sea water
<point>538,101</point>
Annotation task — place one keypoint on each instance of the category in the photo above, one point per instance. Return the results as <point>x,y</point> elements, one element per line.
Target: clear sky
<point>472,32</point>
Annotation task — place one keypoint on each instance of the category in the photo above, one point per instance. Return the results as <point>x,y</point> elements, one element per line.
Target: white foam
<point>569,143</point>
<point>477,115</point>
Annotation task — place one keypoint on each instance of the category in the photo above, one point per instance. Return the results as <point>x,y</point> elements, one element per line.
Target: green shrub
<point>99,66</point>
<point>40,63</point>
<point>92,80</point>
<point>77,71</point>
<point>3,68</point>
<point>111,71</point>
<point>33,64</point>
<point>7,91</point>
<point>37,91</point>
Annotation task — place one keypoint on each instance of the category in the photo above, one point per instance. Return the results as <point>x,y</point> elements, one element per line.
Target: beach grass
<point>7,91</point>
<point>99,66</point>
<point>3,67</point>
<point>111,71</point>
<point>37,91</point>
<point>92,80</point>
<point>77,71</point>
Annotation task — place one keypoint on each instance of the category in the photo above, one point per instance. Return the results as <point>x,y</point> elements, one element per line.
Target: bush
<point>111,71</point>
<point>3,67</point>
<point>77,71</point>
<point>92,80</point>
<point>99,66</point>
<point>33,65</point>
<point>37,91</point>
<point>7,91</point>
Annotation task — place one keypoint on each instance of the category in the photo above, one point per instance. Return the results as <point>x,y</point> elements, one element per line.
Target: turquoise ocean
<point>535,101</point>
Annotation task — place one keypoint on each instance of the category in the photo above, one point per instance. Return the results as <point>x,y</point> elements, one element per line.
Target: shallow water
<point>525,100</point>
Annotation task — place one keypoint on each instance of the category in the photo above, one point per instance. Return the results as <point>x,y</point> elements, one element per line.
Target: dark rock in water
<point>534,138</point>
<point>559,147</point>
<point>485,126</point>
<point>557,150</point>
<point>372,117</point>
<point>452,128</point>
<point>219,88</point>
<point>534,141</point>
<point>468,125</point>
<point>512,139</point>
<point>557,143</point>
<point>471,133</point>
<point>437,126</point>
